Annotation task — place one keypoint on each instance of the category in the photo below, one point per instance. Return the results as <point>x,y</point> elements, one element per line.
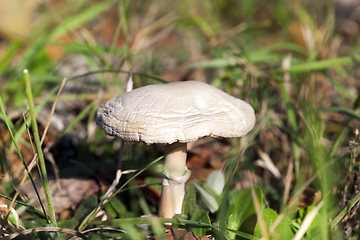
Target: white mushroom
<point>174,114</point>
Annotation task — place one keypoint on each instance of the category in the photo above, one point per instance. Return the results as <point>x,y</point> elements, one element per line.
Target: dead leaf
<point>151,194</point>
<point>66,194</point>
<point>207,153</point>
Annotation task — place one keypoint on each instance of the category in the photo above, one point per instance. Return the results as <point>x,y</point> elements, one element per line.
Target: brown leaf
<point>151,194</point>
<point>207,153</point>
<point>66,194</point>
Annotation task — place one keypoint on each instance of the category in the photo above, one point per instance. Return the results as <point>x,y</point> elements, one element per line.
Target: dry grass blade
<point>104,229</point>
<point>288,182</point>
<point>260,217</point>
<point>228,34</point>
<point>143,38</point>
<point>243,145</point>
<point>53,109</point>
<point>13,211</point>
<point>307,221</point>
<point>267,163</point>
<point>108,193</point>
<point>49,229</point>
<point>276,223</point>
<point>343,212</point>
<point>130,83</point>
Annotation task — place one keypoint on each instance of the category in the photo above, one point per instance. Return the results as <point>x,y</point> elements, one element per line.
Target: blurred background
<point>295,61</point>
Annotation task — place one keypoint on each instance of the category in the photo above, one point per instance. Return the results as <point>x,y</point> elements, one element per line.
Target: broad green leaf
<point>314,230</point>
<point>200,216</point>
<point>211,191</point>
<point>233,194</point>
<point>70,224</point>
<point>13,220</point>
<point>209,201</point>
<point>110,210</point>
<point>242,208</point>
<point>216,181</point>
<point>282,231</point>
<point>269,217</point>
<point>120,208</point>
<point>190,204</point>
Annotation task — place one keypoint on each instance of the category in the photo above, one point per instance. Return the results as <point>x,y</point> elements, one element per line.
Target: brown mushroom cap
<point>175,112</point>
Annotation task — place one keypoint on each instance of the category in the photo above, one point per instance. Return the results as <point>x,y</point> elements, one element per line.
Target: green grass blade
<point>343,212</point>
<point>319,65</point>
<point>203,25</point>
<point>31,208</point>
<point>346,111</point>
<point>22,129</point>
<point>79,19</point>
<point>38,147</point>
<point>343,132</point>
<point>67,25</point>
<point>78,118</point>
<point>7,122</point>
<point>208,6</point>
<point>291,116</point>
<point>11,51</point>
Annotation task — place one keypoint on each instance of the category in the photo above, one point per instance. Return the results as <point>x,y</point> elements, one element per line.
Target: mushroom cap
<point>175,112</point>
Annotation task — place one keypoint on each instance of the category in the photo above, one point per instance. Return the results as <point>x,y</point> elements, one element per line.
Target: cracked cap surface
<point>175,112</point>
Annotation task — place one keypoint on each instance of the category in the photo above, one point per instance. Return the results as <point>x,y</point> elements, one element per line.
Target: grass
<point>294,62</point>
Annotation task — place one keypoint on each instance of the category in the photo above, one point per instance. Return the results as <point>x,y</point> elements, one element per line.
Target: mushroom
<point>174,114</point>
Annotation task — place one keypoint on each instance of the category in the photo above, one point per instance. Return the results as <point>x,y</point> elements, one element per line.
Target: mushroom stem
<point>173,185</point>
